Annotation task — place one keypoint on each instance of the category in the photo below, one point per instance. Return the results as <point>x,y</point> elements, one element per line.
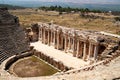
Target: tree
<point>68,9</point>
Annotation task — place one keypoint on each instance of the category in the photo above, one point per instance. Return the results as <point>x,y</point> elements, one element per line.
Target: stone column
<point>62,42</point>
<point>84,51</point>
<point>65,44</point>
<point>41,34</point>
<point>51,37</point>
<point>90,48</point>
<point>54,39</point>
<point>44,35</point>
<point>95,52</point>
<point>69,44</point>
<point>58,40</point>
<point>48,37</point>
<point>78,48</point>
<point>74,54</point>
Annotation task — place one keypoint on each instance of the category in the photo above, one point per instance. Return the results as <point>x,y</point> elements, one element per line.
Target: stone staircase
<point>3,56</point>
<point>12,36</point>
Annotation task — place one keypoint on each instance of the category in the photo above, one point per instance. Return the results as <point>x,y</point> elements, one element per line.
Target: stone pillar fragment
<point>90,51</point>
<point>78,48</point>
<point>69,44</point>
<point>81,49</point>
<point>65,44</point>
<point>51,38</point>
<point>41,34</point>
<point>62,42</point>
<point>74,54</point>
<point>95,52</point>
<point>48,37</point>
<point>84,51</point>
<point>44,36</point>
<point>58,40</point>
<point>55,40</point>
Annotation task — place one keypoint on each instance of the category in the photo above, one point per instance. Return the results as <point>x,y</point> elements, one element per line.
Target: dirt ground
<point>71,20</point>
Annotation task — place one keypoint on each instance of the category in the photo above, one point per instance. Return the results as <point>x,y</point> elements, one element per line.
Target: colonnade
<point>62,40</point>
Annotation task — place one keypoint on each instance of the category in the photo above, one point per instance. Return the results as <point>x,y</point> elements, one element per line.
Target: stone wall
<point>57,64</point>
<point>12,36</point>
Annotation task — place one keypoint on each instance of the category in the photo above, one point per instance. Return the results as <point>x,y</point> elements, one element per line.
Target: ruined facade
<point>69,41</point>
<point>12,36</point>
<point>86,45</point>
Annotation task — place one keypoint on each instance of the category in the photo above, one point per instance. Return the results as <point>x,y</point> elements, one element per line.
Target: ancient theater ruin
<point>68,50</point>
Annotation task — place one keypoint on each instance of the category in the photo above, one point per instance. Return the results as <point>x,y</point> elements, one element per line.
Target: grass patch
<point>32,67</point>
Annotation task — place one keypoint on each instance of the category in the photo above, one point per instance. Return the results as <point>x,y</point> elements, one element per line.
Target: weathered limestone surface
<point>12,36</point>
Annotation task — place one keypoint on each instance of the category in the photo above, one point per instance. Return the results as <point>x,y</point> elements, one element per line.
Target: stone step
<point>12,37</point>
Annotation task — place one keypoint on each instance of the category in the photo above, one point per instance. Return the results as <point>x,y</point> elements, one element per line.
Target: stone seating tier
<point>12,36</point>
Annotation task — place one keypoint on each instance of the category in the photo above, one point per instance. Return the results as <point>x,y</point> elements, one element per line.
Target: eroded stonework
<point>87,45</point>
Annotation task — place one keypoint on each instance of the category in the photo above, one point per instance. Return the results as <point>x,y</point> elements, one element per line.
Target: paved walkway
<point>66,58</point>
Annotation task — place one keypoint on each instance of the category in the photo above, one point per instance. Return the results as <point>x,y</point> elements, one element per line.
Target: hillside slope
<point>11,6</point>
